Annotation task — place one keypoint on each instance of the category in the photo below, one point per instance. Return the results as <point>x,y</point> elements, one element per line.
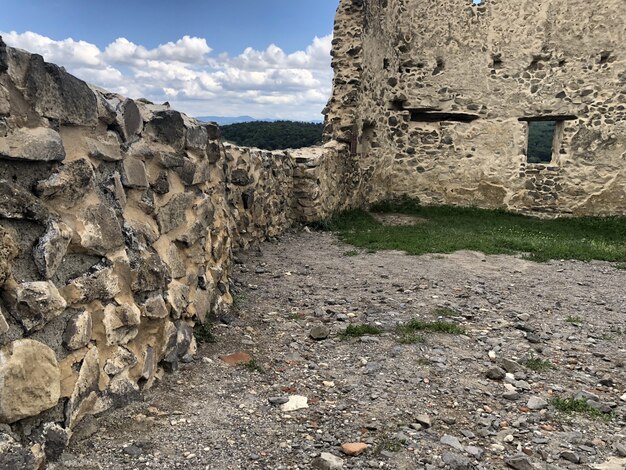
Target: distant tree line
<point>276,135</point>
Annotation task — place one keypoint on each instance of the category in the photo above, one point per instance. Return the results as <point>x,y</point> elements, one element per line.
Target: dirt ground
<point>441,403</point>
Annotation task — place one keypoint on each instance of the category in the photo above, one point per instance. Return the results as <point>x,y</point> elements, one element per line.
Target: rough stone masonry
<point>436,99</point>
<point>118,219</point>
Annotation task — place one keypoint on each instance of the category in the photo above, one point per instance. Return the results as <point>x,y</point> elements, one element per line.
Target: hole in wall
<point>429,116</point>
<point>541,136</point>
<point>396,105</point>
<point>439,68</point>
<point>477,2</point>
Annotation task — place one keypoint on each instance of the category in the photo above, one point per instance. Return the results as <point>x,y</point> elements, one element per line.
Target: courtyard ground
<point>531,376</point>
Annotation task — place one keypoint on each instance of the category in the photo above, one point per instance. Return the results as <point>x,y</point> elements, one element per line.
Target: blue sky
<point>212,57</point>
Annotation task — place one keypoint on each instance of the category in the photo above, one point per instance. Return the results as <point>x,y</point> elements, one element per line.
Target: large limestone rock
<point>52,247</point>
<point>40,144</point>
<point>36,303</point>
<point>29,380</point>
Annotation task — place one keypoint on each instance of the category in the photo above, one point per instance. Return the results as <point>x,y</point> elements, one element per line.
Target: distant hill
<point>227,120</point>
<point>275,135</point>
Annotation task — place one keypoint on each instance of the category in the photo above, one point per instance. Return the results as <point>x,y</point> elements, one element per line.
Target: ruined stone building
<point>119,217</point>
<point>439,98</point>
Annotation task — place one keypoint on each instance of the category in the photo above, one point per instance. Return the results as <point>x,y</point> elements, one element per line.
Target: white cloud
<point>266,83</point>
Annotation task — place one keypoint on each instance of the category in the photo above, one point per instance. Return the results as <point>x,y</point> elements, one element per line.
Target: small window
<point>541,136</point>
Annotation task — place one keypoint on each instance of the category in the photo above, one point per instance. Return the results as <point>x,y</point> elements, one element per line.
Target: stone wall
<point>118,219</point>
<point>442,93</point>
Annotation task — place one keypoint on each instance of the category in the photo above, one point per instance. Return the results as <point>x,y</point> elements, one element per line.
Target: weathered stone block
<point>194,173</point>
<point>121,323</point>
<point>177,298</point>
<point>40,144</point>
<point>121,360</point>
<point>101,285</point>
<point>240,177</point>
<point>168,127</point>
<point>134,173</point>
<point>99,230</point>
<point>129,119</point>
<point>36,303</point>
<point>161,184</point>
<point>107,150</point>
<point>149,272</point>
<point>83,399</point>
<point>172,215</point>
<point>69,185</point>
<point>77,332</point>
<point>58,95</point>
<point>56,439</point>
<point>52,247</point>
<point>197,138</point>
<point>17,203</point>
<point>175,262</point>
<point>155,307</point>
<point>29,380</point>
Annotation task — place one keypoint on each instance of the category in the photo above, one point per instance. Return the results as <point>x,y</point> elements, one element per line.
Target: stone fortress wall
<point>118,220</point>
<point>436,97</point>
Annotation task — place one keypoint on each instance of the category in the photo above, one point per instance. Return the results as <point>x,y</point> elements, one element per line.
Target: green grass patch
<point>574,320</point>
<point>253,366</point>
<point>411,338</point>
<point>571,406</point>
<point>620,266</point>
<point>449,229</point>
<point>204,334</point>
<point>355,331</point>
<point>538,365</point>
<point>238,299</point>
<point>432,327</point>
<point>351,253</point>
<point>387,443</point>
<point>445,312</point>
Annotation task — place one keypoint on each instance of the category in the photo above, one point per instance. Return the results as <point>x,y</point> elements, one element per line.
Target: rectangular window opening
<point>542,141</point>
<point>430,116</point>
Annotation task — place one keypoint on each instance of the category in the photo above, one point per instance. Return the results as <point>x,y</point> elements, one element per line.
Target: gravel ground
<point>464,401</point>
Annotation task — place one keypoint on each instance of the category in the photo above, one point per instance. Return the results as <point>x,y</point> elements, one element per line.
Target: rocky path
<point>458,401</point>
